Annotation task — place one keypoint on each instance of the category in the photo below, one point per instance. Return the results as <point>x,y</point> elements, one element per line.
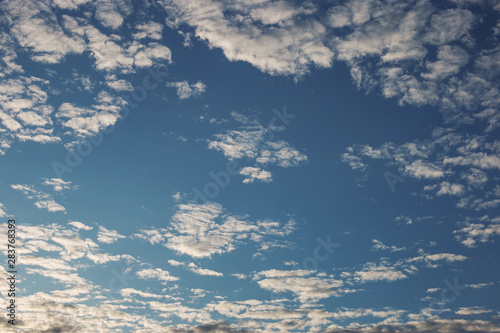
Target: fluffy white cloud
<point>200,230</point>
<point>484,230</point>
<point>80,225</point>
<point>149,29</point>
<point>156,274</point>
<point>110,13</point>
<point>287,44</point>
<point>186,90</point>
<point>108,236</point>
<point>42,200</point>
<point>57,184</point>
<point>254,141</point>
<point>254,173</point>
<point>203,271</point>
<point>306,288</point>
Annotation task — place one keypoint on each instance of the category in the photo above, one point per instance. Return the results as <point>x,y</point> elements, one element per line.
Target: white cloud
<point>36,29</point>
<point>306,288</point>
<point>203,271</point>
<point>108,236</point>
<point>450,189</point>
<point>379,273</point>
<point>149,29</point>
<point>2,210</point>
<point>254,173</point>
<point>378,245</point>
<point>175,262</point>
<point>156,274</point>
<point>469,311</point>
<point>110,13</point>
<point>43,200</point>
<point>432,259</point>
<point>254,141</point>
<point>186,90</point>
<point>287,44</point>
<point>200,230</point>
<point>57,184</point>
<point>483,231</point>
<point>118,84</point>
<point>50,205</point>
<point>80,225</point>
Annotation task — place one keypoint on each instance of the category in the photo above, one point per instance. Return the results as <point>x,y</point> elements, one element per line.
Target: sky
<point>251,166</point>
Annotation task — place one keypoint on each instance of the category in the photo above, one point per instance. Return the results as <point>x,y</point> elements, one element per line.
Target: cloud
<point>118,84</point>
<point>108,236</point>
<point>149,29</point>
<point>254,173</point>
<point>479,285</point>
<point>306,288</point>
<point>379,273</point>
<point>127,292</point>
<point>203,271</point>
<point>2,210</point>
<point>110,13</point>
<point>468,311</point>
<point>36,29</point>
<point>275,37</point>
<point>483,230</point>
<point>50,205</point>
<point>80,225</point>
<point>378,245</point>
<point>429,326</point>
<point>156,274</point>
<point>42,200</point>
<point>186,90</point>
<point>417,53</point>
<point>431,259</point>
<point>86,121</point>
<point>253,141</point>
<point>175,262</point>
<point>201,230</point>
<point>57,184</point>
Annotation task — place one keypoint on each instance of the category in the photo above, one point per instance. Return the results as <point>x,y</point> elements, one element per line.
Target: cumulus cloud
<point>111,13</point>
<point>288,44</point>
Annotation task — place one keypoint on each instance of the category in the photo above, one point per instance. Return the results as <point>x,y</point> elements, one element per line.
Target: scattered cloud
<point>186,90</point>
<point>108,236</point>
<point>254,173</point>
<point>201,230</point>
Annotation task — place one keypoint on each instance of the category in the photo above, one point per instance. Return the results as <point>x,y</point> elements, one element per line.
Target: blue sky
<point>252,166</point>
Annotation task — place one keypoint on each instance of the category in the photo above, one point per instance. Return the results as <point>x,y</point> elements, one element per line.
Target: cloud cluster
<point>45,200</point>
<point>201,230</point>
<point>254,142</point>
